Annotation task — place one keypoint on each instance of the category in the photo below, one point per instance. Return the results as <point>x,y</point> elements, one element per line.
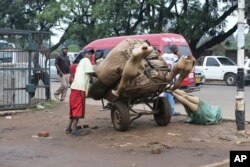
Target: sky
<point>56,38</point>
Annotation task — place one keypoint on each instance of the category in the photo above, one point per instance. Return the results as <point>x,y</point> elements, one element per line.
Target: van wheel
<point>230,79</point>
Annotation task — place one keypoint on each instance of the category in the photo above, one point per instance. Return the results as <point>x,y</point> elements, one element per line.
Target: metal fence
<point>24,71</point>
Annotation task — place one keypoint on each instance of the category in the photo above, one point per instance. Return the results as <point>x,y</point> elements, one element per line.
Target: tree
<point>91,19</point>
<point>119,17</point>
<point>41,15</point>
<point>197,20</point>
<point>38,15</point>
<point>191,18</point>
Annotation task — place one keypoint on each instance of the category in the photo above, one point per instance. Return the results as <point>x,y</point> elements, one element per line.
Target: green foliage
<point>55,53</point>
<point>87,20</point>
<point>74,48</point>
<point>28,14</point>
<point>51,14</point>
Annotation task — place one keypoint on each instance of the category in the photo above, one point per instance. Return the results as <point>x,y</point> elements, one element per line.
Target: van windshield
<point>183,50</point>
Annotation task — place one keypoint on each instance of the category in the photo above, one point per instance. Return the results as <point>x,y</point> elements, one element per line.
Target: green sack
<point>206,114</point>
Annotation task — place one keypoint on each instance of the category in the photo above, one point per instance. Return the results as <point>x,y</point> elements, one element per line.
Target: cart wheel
<point>120,116</point>
<point>163,117</point>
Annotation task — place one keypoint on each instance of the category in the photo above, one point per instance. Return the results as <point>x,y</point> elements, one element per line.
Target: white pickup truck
<point>247,71</point>
<point>218,68</point>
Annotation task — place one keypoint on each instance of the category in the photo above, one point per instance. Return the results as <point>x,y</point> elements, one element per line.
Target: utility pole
<point>240,101</point>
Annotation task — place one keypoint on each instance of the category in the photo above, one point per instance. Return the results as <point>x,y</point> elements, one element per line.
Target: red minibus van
<point>161,41</point>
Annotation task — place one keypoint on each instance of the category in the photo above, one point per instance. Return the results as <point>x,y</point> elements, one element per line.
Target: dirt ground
<point>144,145</point>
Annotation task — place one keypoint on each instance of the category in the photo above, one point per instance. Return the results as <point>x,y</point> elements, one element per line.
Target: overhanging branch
<point>216,40</point>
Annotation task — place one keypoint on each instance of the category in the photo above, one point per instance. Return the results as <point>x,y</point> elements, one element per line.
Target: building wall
<point>233,54</point>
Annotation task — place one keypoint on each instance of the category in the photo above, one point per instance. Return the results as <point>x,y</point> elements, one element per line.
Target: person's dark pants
<point>45,78</point>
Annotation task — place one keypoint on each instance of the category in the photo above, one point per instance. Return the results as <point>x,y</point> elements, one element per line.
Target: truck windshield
<point>183,50</point>
<point>226,61</point>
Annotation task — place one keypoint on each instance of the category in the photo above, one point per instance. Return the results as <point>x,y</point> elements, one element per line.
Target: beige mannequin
<point>198,111</point>
<point>183,67</point>
<point>133,67</point>
<point>190,102</point>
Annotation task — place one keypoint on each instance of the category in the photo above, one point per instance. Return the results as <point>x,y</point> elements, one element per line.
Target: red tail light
<point>189,80</point>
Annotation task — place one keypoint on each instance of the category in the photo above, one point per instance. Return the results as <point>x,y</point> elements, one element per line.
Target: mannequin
<point>199,111</point>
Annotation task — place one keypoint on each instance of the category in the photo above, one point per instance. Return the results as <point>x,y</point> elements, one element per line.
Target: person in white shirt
<point>171,59</point>
<point>78,94</point>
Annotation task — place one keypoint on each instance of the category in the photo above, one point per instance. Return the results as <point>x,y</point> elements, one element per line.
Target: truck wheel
<point>163,117</point>
<point>230,79</point>
<point>120,116</point>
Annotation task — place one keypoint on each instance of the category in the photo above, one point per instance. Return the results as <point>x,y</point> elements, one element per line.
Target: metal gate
<point>24,71</point>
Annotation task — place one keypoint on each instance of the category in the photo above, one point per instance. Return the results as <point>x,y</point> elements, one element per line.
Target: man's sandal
<point>68,131</point>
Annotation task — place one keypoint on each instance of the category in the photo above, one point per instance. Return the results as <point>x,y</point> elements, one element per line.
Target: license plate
<point>198,80</point>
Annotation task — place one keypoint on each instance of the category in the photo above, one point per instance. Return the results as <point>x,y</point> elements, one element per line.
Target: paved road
<point>215,94</point>
<point>224,96</point>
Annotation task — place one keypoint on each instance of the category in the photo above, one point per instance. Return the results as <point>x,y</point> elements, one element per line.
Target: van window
<point>101,53</point>
<point>183,50</point>
<point>78,58</point>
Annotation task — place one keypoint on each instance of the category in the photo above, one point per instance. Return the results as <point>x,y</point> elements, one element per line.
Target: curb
<point>224,163</point>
